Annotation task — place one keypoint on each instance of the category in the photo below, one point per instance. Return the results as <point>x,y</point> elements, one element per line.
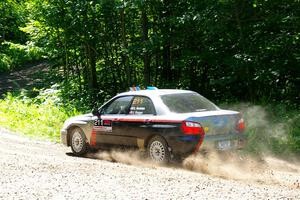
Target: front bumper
<point>63,137</point>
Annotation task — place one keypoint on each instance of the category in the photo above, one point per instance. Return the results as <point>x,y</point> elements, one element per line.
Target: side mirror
<point>95,112</point>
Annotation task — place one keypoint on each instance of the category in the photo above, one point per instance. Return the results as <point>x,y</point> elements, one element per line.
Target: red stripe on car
<point>93,138</point>
<point>142,120</point>
<point>147,120</point>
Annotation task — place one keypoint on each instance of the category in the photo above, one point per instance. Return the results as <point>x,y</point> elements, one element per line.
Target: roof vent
<point>152,88</point>
<point>137,88</point>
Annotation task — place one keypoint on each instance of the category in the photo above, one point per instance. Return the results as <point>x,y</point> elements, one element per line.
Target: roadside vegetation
<point>229,51</point>
<point>40,117</point>
<point>14,55</point>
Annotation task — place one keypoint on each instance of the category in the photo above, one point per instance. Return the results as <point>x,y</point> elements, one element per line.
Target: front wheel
<point>78,142</point>
<point>158,150</point>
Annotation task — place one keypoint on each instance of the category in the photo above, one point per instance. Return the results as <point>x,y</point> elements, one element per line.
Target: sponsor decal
<point>103,128</point>
<point>206,129</point>
<point>103,125</point>
<point>106,122</point>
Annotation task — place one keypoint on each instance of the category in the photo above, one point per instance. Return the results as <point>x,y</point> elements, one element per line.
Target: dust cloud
<point>257,162</point>
<point>129,157</point>
<point>262,167</point>
<point>227,165</point>
<point>264,170</point>
<point>261,131</point>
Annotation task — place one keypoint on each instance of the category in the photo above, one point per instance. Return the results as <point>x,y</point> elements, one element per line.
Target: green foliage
<point>15,49</point>
<point>226,50</point>
<point>12,16</point>
<point>15,55</point>
<point>40,119</point>
<point>5,63</point>
<point>294,133</point>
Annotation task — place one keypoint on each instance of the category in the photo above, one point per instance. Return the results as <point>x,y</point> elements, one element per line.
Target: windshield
<point>187,102</point>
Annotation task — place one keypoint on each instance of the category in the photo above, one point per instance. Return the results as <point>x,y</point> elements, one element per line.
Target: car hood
<point>80,119</point>
<point>85,117</point>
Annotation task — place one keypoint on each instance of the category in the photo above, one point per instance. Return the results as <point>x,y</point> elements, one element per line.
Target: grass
<point>38,120</point>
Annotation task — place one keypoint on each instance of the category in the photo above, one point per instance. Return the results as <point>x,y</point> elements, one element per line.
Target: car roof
<point>156,92</point>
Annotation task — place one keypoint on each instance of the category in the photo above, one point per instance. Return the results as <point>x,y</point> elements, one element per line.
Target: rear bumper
<point>63,137</point>
<point>184,145</point>
<point>237,141</point>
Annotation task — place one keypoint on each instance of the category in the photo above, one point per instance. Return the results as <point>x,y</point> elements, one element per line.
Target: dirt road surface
<point>34,75</point>
<point>31,169</point>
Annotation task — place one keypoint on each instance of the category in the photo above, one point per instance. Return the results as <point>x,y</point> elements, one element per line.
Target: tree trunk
<point>125,60</point>
<point>248,70</point>
<point>91,56</point>
<point>166,29</point>
<point>146,57</point>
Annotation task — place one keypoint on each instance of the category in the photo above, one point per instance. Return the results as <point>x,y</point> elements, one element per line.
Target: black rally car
<point>161,121</point>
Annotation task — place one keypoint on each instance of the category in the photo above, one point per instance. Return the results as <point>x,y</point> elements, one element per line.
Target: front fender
<point>86,127</point>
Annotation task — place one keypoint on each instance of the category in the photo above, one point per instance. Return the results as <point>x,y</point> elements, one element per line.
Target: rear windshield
<point>187,102</point>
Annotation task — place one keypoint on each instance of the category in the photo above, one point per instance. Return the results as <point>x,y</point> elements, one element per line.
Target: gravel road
<point>31,169</point>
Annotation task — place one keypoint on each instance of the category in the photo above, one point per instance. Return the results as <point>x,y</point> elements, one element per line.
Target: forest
<point>230,51</point>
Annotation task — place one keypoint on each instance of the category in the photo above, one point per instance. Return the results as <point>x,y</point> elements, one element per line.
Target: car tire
<point>158,151</point>
<point>78,142</point>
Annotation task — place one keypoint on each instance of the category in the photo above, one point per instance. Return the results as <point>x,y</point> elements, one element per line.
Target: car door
<point>107,127</point>
<point>137,124</point>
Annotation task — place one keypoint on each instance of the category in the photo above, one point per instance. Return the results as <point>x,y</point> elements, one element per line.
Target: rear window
<point>187,102</point>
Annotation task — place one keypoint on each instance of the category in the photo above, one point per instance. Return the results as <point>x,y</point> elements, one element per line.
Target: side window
<point>118,106</point>
<point>142,106</point>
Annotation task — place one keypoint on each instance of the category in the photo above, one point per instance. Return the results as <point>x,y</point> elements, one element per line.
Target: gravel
<point>31,169</point>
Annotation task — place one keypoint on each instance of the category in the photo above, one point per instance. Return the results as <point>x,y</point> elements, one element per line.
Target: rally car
<point>162,122</point>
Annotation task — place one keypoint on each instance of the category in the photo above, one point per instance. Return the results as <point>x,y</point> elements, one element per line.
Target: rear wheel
<point>158,150</point>
<point>78,142</point>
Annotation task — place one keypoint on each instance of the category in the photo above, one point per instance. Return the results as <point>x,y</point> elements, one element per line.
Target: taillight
<point>241,125</point>
<point>191,128</point>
